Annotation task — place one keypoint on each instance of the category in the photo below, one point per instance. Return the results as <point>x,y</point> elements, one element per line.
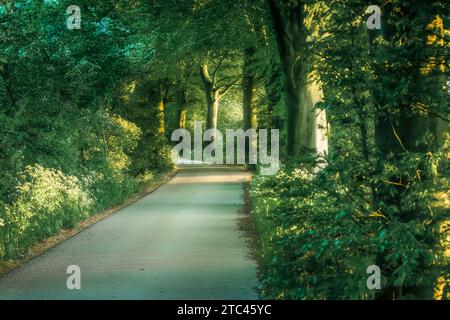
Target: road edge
<point>247,229</point>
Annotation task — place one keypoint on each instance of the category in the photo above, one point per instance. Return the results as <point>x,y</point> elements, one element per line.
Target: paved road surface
<point>180,242</point>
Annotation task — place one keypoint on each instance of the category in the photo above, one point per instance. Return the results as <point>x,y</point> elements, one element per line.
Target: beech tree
<point>306,124</point>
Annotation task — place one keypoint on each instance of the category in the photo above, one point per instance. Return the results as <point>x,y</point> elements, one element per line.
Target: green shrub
<point>317,238</point>
<point>48,200</point>
<point>306,249</point>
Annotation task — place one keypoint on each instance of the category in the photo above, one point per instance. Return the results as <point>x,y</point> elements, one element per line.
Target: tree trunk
<point>213,110</point>
<point>161,109</point>
<point>306,126</point>
<point>212,98</point>
<point>249,84</point>
<point>273,87</point>
<point>182,109</point>
<point>249,91</point>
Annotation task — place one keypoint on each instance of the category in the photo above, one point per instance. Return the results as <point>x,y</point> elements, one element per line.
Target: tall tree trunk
<point>306,126</point>
<point>182,108</point>
<point>249,91</point>
<point>249,84</point>
<point>213,110</point>
<point>161,107</point>
<point>212,98</point>
<point>273,87</point>
<point>161,112</point>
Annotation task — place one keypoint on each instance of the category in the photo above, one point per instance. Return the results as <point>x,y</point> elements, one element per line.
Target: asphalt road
<point>180,242</point>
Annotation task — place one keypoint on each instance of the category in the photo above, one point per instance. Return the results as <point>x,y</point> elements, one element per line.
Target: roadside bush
<point>45,200</point>
<point>317,238</point>
<point>48,200</point>
<point>108,190</point>
<point>307,249</point>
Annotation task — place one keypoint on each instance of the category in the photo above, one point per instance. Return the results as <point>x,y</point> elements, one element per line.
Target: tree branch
<point>216,70</point>
<point>227,88</point>
<point>204,73</point>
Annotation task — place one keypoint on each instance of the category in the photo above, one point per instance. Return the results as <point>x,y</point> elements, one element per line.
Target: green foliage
<point>47,200</point>
<point>68,148</point>
<point>317,237</point>
<point>311,248</point>
<point>80,129</point>
<point>374,202</point>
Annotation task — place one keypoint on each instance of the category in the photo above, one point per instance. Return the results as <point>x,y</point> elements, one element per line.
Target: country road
<point>179,242</point>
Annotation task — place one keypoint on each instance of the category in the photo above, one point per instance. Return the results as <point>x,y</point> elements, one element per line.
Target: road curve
<point>179,242</point>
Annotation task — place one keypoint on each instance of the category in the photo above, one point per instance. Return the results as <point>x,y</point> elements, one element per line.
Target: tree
<point>215,90</point>
<point>306,124</point>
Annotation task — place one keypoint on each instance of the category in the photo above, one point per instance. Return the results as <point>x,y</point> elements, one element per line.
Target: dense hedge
<point>310,247</point>
<point>317,241</point>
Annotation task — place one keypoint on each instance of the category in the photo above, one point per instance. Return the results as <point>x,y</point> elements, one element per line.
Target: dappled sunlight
<point>276,149</point>
<point>211,174</point>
